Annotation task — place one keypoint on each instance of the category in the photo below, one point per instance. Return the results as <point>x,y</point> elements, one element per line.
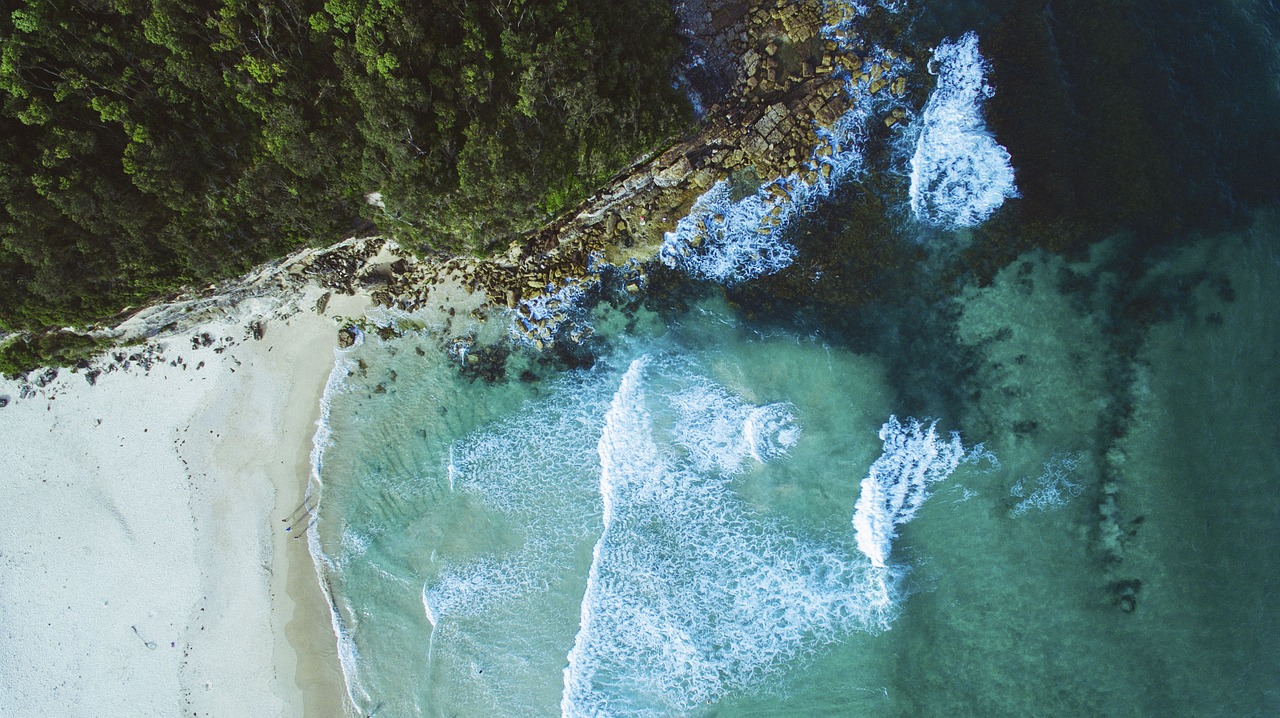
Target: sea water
<point>1046,490</point>
<point>670,531</point>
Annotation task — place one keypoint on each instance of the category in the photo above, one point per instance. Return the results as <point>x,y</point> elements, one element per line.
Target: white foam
<point>898,482</point>
<point>769,432</point>
<point>730,240</point>
<point>539,317</point>
<point>690,594</point>
<point>720,430</point>
<point>473,589</point>
<point>1055,486</point>
<point>727,241</point>
<point>348,655</point>
<point>959,174</point>
<point>506,468</point>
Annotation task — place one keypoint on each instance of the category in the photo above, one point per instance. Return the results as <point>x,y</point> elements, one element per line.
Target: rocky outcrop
<point>781,87</point>
<point>774,78</point>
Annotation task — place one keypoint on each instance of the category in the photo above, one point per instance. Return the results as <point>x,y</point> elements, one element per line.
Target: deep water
<point>661,520</point>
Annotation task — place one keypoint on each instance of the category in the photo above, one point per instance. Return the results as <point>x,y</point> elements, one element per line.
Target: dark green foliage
<point>50,349</point>
<point>147,144</point>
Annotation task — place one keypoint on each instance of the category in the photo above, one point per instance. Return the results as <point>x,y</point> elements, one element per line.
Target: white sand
<point>144,566</point>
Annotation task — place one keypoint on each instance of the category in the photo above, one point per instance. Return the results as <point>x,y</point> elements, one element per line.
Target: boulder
<point>675,174</point>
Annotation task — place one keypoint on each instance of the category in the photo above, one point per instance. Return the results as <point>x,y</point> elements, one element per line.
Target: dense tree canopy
<point>149,143</point>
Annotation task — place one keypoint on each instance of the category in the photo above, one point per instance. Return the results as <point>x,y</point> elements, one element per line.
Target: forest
<point>148,145</point>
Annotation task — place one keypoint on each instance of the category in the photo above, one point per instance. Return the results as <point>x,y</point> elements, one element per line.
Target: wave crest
<point>691,595</point>
<point>959,174</point>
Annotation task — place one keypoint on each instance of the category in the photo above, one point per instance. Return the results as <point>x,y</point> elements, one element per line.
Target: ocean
<point>986,425</point>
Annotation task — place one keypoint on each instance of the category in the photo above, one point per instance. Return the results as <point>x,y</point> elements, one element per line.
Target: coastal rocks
<point>476,362</point>
<point>713,32</point>
<point>340,267</point>
<point>347,336</point>
<point>4,400</point>
<point>776,78</point>
<point>765,78</point>
<point>673,175</point>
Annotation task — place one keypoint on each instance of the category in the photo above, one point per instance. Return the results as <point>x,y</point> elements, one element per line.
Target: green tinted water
<point>1142,584</point>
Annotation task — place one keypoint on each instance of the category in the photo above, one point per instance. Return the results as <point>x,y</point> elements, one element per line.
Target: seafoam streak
<point>348,655</point>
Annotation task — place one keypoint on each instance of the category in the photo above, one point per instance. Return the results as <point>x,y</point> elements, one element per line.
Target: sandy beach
<point>147,569</point>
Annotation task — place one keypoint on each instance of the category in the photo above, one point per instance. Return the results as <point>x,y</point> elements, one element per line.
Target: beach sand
<point>145,569</point>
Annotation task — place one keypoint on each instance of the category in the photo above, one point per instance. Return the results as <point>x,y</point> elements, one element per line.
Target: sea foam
<point>720,431</point>
<point>732,239</point>
<point>959,174</point>
<point>735,236</point>
<point>896,486</point>
<point>505,468</point>
<point>691,594</point>
<point>348,654</point>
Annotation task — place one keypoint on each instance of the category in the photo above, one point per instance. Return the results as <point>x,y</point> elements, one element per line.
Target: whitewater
<point>744,494</point>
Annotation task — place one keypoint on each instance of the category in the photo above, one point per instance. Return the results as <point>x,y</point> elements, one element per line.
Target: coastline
<point>147,568</point>
<point>226,455</point>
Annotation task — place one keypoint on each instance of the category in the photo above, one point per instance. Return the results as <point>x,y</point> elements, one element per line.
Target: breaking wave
<point>959,174</point>
<point>898,482</point>
<point>733,239</point>
<point>691,594</point>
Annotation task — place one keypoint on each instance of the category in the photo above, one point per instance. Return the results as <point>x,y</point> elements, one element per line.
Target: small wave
<point>959,174</point>
<point>720,430</point>
<point>898,482</point>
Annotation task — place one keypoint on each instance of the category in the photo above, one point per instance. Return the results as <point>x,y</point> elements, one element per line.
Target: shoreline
<point>148,571</point>
<point>233,592</point>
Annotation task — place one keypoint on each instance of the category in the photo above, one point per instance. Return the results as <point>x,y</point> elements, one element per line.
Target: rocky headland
<point>768,77</point>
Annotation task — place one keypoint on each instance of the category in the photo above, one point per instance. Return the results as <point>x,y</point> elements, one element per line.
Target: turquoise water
<point>985,459</point>
<point>1143,585</point>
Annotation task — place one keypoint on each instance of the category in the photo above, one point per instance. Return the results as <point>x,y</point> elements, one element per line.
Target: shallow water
<point>1143,585</point>
<point>671,530</point>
